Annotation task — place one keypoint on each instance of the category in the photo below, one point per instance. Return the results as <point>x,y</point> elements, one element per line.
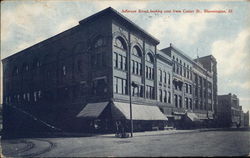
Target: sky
<point>224,35</point>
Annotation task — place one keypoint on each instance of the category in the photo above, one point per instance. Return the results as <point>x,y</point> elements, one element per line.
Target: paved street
<point>157,143</point>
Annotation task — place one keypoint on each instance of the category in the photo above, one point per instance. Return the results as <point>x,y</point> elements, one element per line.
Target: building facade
<point>246,119</point>
<point>229,112</point>
<point>84,76</point>
<point>192,89</point>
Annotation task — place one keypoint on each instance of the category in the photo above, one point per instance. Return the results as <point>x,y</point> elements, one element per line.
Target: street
<point>152,144</point>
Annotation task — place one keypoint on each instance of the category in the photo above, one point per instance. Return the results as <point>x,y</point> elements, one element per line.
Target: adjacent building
<point>192,88</point>
<point>84,79</point>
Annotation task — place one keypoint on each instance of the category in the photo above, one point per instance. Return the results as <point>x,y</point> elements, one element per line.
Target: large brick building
<point>82,77</point>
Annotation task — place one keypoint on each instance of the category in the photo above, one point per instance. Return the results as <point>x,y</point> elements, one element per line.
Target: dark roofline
<point>178,51</point>
<point>121,17</point>
<point>212,57</point>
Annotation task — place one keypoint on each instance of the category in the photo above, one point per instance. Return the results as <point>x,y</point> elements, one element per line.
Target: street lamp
<point>130,105</point>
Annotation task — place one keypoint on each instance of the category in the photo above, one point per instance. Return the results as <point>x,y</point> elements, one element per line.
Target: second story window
<point>165,77</point>
<point>64,70</point>
<point>169,79</point>
<point>160,77</point>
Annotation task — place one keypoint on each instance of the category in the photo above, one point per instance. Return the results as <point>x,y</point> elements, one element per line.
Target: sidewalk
<point>163,132</point>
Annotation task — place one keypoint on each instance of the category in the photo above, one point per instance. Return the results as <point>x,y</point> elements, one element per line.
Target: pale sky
<point>224,35</point>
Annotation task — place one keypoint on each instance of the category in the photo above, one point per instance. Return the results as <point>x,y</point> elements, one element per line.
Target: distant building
<point>246,119</point>
<point>229,112</point>
<point>80,80</point>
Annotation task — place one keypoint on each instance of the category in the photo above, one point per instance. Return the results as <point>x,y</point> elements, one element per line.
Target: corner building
<point>80,80</point>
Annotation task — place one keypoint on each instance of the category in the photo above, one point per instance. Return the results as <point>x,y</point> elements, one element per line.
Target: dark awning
<point>139,112</point>
<point>92,110</point>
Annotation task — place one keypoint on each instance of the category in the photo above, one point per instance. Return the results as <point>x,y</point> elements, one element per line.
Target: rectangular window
<point>150,73</point>
<point>160,75</point>
<point>147,91</point>
<point>165,77</point>
<point>152,77</point>
<point>115,84</point>
<point>140,68</point>
<point>147,72</point>
<point>180,101</point>
<point>137,68</point>
<point>186,102</point>
<point>116,59</point>
<point>176,100</point>
<point>190,103</point>
<point>124,86</point>
<point>169,97</point>
<point>165,96</point>
<point>119,86</point>
<point>124,63</point>
<point>169,78</point>
<point>190,89</point>
<point>186,87</point>
<point>133,66</point>
<point>120,66</point>
<point>35,97</point>
<point>160,95</point>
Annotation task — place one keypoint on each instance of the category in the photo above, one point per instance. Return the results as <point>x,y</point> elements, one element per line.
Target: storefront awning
<point>139,112</point>
<point>192,116</point>
<point>202,116</point>
<point>178,113</point>
<point>92,110</point>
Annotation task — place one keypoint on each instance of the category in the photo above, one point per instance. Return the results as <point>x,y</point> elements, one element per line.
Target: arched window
<point>136,51</point>
<point>120,43</point>
<point>99,42</point>
<point>149,58</point>
<point>120,54</point>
